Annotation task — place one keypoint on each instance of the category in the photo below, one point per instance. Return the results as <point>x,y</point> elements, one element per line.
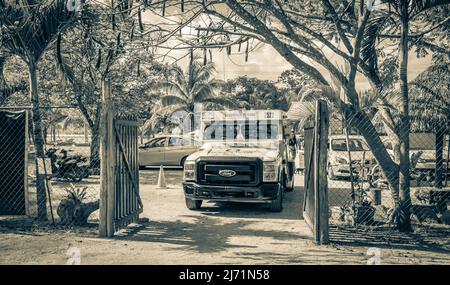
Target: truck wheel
<point>277,204</point>
<point>193,204</point>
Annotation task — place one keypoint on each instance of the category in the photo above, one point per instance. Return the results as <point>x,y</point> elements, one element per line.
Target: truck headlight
<point>270,173</point>
<point>189,171</point>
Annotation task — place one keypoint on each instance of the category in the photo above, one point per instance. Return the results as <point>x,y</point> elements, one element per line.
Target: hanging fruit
<point>246,51</point>
<point>132,31</point>
<point>205,60</point>
<point>164,8</point>
<point>58,49</point>
<point>118,45</point>
<point>139,67</point>
<point>141,25</point>
<point>99,59</point>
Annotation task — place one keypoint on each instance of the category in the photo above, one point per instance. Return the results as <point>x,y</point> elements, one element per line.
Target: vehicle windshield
<point>355,145</point>
<point>241,133</point>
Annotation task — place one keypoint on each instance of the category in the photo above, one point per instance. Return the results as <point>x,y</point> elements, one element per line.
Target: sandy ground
<point>217,234</point>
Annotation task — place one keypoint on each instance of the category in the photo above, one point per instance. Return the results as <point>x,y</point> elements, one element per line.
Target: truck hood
<point>225,151</point>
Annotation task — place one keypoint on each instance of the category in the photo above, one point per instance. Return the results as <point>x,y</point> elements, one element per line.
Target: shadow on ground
<point>203,234</point>
<point>432,238</point>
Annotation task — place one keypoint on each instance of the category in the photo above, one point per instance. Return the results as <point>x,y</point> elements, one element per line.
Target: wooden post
<point>320,173</point>
<point>107,163</point>
<point>316,154</point>
<point>323,179</point>
<point>25,178</point>
<point>86,133</point>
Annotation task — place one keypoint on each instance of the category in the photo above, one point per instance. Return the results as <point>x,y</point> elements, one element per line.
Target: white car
<point>170,150</point>
<point>422,154</point>
<point>338,162</point>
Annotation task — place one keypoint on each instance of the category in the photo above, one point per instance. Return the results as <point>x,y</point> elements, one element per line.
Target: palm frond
<point>221,101</point>
<point>419,6</point>
<point>169,100</point>
<point>161,114</point>
<point>368,45</point>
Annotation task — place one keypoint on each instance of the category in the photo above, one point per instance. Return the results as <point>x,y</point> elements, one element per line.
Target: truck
<point>244,157</point>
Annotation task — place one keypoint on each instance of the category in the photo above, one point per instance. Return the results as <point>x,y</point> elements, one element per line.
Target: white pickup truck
<point>243,158</point>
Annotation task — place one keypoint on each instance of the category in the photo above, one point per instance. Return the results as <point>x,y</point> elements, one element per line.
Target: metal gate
<point>315,203</point>
<point>120,202</point>
<point>13,162</point>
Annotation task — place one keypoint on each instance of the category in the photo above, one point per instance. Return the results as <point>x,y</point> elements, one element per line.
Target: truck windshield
<point>240,131</point>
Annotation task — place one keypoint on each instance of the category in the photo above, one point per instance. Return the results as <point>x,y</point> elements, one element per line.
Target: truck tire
<point>277,204</point>
<point>193,204</point>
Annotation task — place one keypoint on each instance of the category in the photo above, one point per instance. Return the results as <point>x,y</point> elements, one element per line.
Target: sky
<point>266,63</point>
<point>263,62</point>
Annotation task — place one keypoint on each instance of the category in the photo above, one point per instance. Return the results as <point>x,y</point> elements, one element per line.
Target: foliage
<point>253,93</point>
<point>183,89</point>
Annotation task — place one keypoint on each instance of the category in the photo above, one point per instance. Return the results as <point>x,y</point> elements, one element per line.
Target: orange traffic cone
<point>161,179</point>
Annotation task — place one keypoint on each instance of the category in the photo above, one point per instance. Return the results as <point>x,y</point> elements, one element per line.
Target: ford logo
<point>227,173</point>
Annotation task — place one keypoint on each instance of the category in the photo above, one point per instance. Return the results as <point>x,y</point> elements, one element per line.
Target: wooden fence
<point>120,202</point>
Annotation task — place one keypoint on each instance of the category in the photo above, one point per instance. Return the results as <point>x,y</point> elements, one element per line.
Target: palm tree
<point>406,11</point>
<point>28,27</point>
<point>184,89</point>
<point>430,108</point>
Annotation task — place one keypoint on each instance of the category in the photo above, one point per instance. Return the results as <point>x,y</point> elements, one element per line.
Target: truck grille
<point>248,173</point>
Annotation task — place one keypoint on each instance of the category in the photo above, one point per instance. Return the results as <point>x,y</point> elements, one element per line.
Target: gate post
<point>320,172</point>
<point>107,163</point>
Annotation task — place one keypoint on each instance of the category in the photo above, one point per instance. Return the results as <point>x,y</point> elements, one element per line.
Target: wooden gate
<point>315,204</point>
<point>120,202</point>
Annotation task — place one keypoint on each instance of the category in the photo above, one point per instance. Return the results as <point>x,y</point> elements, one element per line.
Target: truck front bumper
<point>264,193</point>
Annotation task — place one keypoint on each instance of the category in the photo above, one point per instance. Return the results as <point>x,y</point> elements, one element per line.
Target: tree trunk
<point>361,121</point>
<point>85,128</point>
<point>95,149</point>
<point>403,216</point>
<point>95,134</point>
<point>38,144</point>
<point>438,172</point>
<point>53,134</point>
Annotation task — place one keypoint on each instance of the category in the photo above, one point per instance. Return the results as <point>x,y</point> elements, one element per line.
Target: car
<point>338,158</point>
<point>170,150</point>
<point>244,158</point>
<point>422,154</point>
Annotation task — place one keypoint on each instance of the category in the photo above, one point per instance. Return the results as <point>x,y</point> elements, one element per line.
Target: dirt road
<point>217,234</point>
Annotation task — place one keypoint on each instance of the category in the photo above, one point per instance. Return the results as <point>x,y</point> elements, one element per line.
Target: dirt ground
<point>224,233</point>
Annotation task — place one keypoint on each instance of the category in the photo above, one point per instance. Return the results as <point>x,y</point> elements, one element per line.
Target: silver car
<point>168,150</point>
